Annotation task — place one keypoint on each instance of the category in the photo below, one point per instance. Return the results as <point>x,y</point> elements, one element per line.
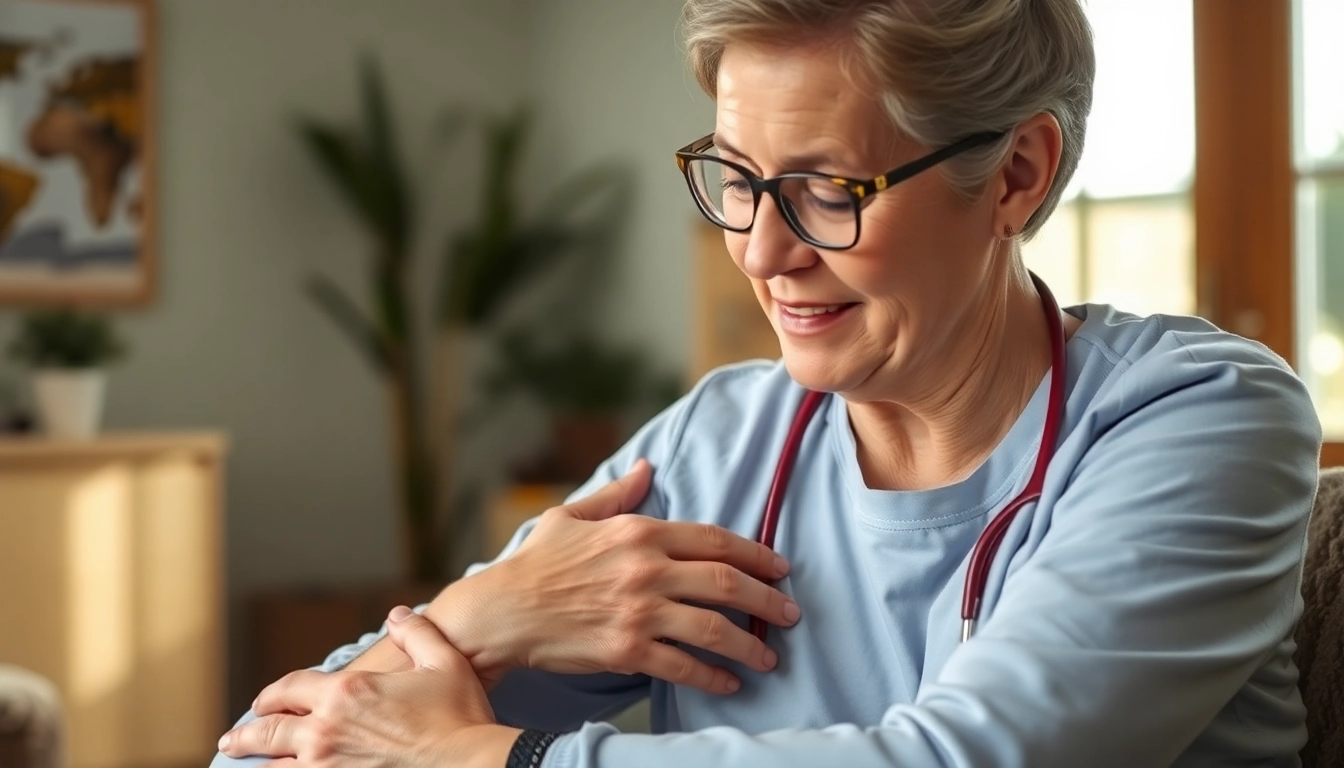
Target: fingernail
<point>733,685</point>
<point>399,613</point>
<point>791,612</point>
<point>224,742</point>
<point>781,565</point>
<point>770,658</point>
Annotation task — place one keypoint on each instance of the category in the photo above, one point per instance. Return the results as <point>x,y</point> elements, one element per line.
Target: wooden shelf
<point>112,445</point>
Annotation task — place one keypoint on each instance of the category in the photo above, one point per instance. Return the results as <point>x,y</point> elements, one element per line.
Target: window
<point>1318,141</point>
<point>1254,238</point>
<point>1124,232</point>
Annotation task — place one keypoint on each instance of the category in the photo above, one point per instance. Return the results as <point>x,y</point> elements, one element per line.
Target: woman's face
<point>871,322</point>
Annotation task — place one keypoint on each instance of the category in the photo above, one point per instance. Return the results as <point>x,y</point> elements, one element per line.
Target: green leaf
<point>391,300</point>
<point>338,155</point>
<point>66,338</point>
<point>386,176</point>
<point>367,171</point>
<point>337,305</point>
<point>485,266</point>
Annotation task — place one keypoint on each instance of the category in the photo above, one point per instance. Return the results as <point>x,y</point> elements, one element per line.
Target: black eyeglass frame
<point>860,190</point>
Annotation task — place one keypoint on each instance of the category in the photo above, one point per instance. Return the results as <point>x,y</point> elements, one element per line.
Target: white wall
<point>610,79</point>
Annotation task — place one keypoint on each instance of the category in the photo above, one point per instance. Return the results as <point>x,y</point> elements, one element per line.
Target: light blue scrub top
<point>1140,614</point>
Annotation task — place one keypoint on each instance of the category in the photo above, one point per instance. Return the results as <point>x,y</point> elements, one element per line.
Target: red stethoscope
<point>982,555</point>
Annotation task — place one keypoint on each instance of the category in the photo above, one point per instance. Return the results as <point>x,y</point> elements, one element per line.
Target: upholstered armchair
<point>31,724</point>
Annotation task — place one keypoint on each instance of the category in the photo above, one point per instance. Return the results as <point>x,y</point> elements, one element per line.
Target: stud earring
<point>1007,230</point>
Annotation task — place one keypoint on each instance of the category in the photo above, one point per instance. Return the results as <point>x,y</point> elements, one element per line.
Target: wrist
<point>465,613</point>
<point>487,746</point>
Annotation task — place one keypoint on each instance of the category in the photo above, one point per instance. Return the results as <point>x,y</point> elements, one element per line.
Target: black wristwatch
<point>530,748</point>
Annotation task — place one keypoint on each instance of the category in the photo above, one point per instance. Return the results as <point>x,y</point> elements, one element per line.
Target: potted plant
<point>68,352</point>
<point>500,251</point>
<point>484,265</point>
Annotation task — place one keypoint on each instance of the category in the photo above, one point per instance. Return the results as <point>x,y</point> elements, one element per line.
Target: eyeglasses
<point>822,210</point>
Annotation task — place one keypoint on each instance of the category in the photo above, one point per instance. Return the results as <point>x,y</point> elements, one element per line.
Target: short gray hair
<point>945,68</point>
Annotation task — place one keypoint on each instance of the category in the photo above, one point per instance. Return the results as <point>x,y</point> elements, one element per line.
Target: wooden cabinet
<point>111,566</point>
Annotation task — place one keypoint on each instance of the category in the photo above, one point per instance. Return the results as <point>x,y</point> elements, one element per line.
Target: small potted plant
<point>68,351</point>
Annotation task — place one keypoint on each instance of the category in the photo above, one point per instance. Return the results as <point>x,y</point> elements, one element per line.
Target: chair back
<point>1320,633</point>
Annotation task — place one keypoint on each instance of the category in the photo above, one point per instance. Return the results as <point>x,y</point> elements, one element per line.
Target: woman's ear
<point>1026,176</point>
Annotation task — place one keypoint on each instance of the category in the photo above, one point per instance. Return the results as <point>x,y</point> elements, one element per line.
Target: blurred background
<point>362,285</point>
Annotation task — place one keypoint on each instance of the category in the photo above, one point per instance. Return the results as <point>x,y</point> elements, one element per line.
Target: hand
<point>594,590</point>
<point>433,715</point>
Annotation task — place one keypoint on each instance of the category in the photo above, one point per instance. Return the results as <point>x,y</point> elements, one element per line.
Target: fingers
<point>712,631</point>
<point>721,584</point>
<point>432,654</point>
<point>615,498</point>
<point>423,642</point>
<point>298,692</point>
<point>674,665</point>
<point>699,541</point>
<point>270,736</point>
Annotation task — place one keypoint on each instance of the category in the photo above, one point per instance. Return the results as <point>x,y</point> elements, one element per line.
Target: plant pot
<point>583,441</point>
<point>70,401</point>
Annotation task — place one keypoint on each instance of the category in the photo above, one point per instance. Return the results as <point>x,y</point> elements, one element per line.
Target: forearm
<point>382,656</point>
<point>462,612</point>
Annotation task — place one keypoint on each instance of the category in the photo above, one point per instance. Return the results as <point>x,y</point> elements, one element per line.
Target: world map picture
<point>74,196</point>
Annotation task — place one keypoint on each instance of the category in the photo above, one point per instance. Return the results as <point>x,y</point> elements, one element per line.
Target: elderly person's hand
<point>595,590</point>
<point>433,715</point>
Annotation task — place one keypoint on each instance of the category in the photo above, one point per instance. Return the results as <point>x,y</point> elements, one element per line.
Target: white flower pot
<point>70,401</point>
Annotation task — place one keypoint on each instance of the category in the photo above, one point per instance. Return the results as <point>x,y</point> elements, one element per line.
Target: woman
<point>1137,608</point>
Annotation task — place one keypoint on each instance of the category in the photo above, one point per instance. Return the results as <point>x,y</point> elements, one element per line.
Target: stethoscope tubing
<point>988,543</point>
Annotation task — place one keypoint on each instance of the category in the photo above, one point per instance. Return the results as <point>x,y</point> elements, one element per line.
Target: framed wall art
<point>77,150</point>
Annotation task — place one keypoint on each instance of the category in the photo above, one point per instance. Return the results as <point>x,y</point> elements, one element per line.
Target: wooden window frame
<point>1245,177</point>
